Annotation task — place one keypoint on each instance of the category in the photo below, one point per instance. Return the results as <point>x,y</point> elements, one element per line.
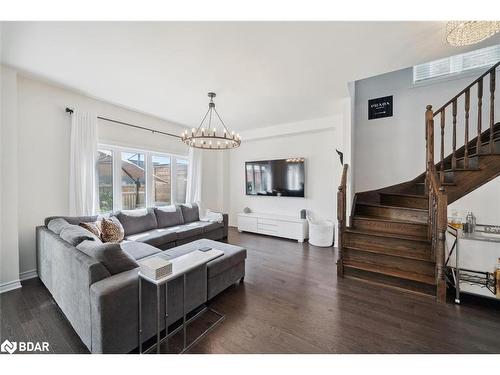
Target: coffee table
<point>180,267</point>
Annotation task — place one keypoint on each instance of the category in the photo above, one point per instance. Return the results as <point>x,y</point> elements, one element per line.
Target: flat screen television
<point>278,178</point>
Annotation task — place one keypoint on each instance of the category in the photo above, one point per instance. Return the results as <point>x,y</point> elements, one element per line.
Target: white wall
<point>316,141</point>
<point>9,254</point>
<point>391,150</point>
<point>43,151</point>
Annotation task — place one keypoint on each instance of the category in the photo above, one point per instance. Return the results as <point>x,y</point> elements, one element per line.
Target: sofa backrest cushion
<point>168,216</point>
<point>57,225</point>
<point>190,212</point>
<point>72,219</point>
<point>111,255</point>
<point>75,234</point>
<point>137,221</point>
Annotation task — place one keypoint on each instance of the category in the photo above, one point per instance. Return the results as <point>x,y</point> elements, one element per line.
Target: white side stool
<point>320,232</point>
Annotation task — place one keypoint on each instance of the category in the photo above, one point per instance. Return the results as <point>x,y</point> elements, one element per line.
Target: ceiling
<point>264,73</point>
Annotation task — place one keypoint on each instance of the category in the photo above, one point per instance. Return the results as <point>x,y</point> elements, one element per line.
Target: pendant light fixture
<point>207,136</point>
<point>464,33</point>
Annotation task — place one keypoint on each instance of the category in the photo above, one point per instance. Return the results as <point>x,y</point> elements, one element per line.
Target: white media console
<point>274,225</point>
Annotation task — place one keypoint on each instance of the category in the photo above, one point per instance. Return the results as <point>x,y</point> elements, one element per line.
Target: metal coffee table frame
<point>185,322</point>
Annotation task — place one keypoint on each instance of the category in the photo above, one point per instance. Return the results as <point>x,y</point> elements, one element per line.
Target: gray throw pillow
<point>114,258</point>
<point>75,234</point>
<point>169,216</point>
<point>57,225</point>
<point>190,212</point>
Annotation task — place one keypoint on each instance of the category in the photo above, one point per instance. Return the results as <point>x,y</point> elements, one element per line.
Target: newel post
<point>341,218</point>
<point>429,135</point>
<point>442,222</point>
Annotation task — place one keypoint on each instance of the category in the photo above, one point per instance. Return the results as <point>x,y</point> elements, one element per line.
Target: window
<point>181,172</point>
<point>457,64</point>
<point>139,179</point>
<point>162,187</point>
<point>105,180</point>
<point>133,180</point>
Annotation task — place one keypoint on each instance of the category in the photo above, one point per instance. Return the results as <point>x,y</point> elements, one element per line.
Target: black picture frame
<point>380,107</point>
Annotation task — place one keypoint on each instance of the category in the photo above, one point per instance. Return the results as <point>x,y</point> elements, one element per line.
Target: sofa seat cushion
<point>208,226</point>
<point>155,237</point>
<point>188,230</point>
<point>137,221</point>
<point>138,250</point>
<point>168,216</point>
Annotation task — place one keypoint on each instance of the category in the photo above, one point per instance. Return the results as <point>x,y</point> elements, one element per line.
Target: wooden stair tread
<point>442,183</point>
<point>399,255</point>
<point>389,286</point>
<point>388,220</point>
<point>426,279</point>
<point>392,207</point>
<point>462,169</point>
<point>390,235</point>
<point>409,195</point>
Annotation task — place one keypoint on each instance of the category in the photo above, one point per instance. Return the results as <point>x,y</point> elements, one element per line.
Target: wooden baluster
<point>454,140</point>
<point>466,141</point>
<point>443,120</point>
<point>479,114</point>
<point>492,108</point>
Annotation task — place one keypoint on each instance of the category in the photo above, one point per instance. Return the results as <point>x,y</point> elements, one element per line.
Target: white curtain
<point>83,154</point>
<point>193,194</point>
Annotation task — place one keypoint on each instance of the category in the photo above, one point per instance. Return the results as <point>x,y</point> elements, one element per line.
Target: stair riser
<point>390,281</point>
<point>402,201</point>
<point>415,249</point>
<point>402,265</point>
<point>391,213</point>
<point>473,163</point>
<point>485,148</point>
<point>417,230</point>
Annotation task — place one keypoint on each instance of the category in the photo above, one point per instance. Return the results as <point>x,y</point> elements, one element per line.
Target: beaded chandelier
<point>209,138</point>
<point>464,33</point>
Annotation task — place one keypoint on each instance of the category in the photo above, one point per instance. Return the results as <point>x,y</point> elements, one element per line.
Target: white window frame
<point>116,152</point>
<point>455,64</point>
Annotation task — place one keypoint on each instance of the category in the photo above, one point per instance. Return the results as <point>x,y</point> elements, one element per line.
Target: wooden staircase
<point>395,236</point>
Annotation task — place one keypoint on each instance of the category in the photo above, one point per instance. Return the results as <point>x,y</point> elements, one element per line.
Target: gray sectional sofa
<point>101,306</point>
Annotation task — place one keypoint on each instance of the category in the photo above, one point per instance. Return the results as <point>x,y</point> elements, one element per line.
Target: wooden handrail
<point>341,218</point>
<point>467,88</point>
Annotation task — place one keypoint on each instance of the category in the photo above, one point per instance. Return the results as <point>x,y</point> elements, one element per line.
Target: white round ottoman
<point>320,232</point>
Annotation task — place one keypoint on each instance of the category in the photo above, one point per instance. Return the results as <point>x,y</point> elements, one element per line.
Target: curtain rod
<point>69,110</point>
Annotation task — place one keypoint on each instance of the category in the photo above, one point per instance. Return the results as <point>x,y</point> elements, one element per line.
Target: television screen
<point>279,178</point>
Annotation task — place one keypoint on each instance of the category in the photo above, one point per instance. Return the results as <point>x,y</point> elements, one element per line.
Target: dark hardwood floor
<point>292,302</point>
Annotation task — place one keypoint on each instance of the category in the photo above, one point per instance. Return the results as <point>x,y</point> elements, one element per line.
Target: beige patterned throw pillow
<point>112,230</point>
<point>94,227</point>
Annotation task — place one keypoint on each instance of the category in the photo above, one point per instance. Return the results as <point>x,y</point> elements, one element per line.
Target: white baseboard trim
<point>28,274</point>
<point>11,285</point>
